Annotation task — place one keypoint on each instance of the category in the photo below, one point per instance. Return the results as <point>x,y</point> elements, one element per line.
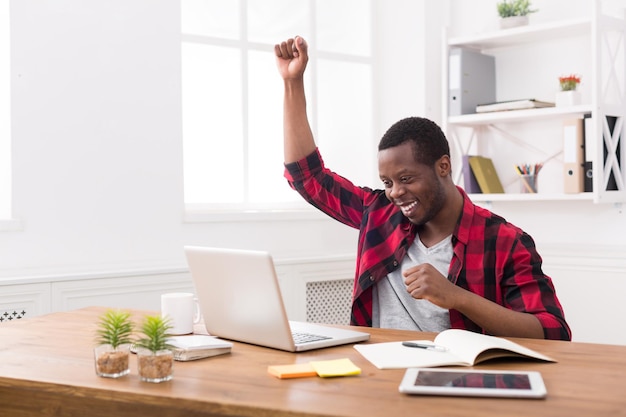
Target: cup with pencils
<point>528,177</point>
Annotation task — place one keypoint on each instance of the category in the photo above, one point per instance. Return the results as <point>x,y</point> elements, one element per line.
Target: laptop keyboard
<point>300,338</point>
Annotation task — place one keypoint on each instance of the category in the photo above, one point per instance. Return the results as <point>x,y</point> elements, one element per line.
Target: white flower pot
<point>567,98</point>
<point>513,21</point>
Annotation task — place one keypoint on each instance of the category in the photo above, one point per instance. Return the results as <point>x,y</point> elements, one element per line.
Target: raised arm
<point>291,59</point>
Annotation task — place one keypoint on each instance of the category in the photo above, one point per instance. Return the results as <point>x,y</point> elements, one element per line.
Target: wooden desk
<point>46,369</point>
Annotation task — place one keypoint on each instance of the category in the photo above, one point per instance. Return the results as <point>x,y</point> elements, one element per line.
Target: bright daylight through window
<point>232,96</point>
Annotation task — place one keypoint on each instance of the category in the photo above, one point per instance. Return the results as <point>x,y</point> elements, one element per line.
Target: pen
<point>425,346</point>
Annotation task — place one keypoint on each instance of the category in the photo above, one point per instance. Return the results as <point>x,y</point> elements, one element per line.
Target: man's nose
<point>397,189</point>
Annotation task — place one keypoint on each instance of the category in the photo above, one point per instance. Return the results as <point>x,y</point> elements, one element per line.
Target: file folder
<point>471,80</point>
<point>573,156</point>
<point>589,139</point>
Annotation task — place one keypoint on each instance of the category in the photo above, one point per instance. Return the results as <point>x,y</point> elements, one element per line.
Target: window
<point>5,114</point>
<point>232,96</point>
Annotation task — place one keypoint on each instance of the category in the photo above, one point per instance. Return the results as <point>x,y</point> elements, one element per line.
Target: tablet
<point>473,383</point>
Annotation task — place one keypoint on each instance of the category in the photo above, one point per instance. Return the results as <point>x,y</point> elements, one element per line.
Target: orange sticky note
<point>296,370</point>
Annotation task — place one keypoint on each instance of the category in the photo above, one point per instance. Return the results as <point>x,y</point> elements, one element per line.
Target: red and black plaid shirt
<point>492,258</point>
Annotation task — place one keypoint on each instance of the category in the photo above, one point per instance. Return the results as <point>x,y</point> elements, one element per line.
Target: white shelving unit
<point>607,37</point>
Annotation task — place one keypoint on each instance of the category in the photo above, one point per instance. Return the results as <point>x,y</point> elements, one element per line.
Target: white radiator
<point>329,301</point>
<point>10,314</point>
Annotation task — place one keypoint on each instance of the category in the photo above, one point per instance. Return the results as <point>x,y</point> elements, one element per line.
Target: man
<point>428,258</point>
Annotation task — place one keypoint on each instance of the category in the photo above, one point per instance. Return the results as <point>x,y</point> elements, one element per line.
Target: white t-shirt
<point>395,308</point>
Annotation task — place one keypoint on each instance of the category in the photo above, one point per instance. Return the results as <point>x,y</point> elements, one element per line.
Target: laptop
<point>240,299</point>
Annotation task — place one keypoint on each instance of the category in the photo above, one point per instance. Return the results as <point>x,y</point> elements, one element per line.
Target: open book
<point>451,347</point>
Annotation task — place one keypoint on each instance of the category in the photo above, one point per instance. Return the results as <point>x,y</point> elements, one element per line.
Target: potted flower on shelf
<point>113,337</point>
<point>514,13</point>
<point>155,358</point>
<point>568,95</point>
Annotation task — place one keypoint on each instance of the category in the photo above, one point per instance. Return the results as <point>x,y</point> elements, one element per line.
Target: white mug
<point>183,311</point>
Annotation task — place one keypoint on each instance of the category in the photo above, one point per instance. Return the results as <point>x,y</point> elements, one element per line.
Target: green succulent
<point>155,331</point>
<point>115,328</point>
<point>514,8</point>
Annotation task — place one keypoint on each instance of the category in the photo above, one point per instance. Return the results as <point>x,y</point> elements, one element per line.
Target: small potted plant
<point>569,82</point>
<point>514,13</point>
<point>113,338</point>
<point>155,358</point>
<point>568,95</point>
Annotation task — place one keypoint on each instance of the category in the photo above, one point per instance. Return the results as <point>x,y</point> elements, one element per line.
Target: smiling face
<point>416,188</point>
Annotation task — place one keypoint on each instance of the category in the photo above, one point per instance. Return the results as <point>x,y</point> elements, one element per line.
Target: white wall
<point>97,143</point>
<point>400,45</point>
<point>97,146</point>
<point>96,129</point>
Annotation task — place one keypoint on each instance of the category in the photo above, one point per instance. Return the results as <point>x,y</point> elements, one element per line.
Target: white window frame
<point>297,209</point>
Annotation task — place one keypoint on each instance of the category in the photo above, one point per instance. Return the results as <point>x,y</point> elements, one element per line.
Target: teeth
<point>409,207</point>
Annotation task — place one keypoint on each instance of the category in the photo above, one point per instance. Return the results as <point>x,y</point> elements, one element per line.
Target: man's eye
<point>387,184</point>
<point>405,179</point>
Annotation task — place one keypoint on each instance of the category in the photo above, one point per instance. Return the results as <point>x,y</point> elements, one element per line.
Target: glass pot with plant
<point>155,358</point>
<point>113,338</point>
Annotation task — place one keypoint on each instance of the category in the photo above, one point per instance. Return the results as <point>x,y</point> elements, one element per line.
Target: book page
<point>475,347</point>
<point>392,355</point>
<point>465,348</point>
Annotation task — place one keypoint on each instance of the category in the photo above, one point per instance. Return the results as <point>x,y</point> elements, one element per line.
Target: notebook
<point>240,300</point>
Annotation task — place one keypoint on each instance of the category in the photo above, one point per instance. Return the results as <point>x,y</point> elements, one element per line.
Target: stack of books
<point>529,103</point>
<point>198,346</point>
<point>480,176</point>
<point>195,346</point>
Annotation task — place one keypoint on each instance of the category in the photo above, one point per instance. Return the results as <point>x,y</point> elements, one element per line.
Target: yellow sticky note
<point>296,370</point>
<point>336,367</point>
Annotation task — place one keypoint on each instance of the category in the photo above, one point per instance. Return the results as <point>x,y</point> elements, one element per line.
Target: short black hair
<point>429,142</point>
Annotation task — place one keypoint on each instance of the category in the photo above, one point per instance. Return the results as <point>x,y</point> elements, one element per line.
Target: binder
<point>470,185</point>
<point>486,175</point>
<point>589,144</point>
<point>588,181</point>
<point>471,80</point>
<point>573,156</point>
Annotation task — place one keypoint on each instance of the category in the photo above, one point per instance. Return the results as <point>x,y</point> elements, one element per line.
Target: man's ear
<point>443,167</point>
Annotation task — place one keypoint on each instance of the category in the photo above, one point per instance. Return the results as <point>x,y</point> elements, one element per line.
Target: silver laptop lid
<point>239,296</point>
<point>240,299</point>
